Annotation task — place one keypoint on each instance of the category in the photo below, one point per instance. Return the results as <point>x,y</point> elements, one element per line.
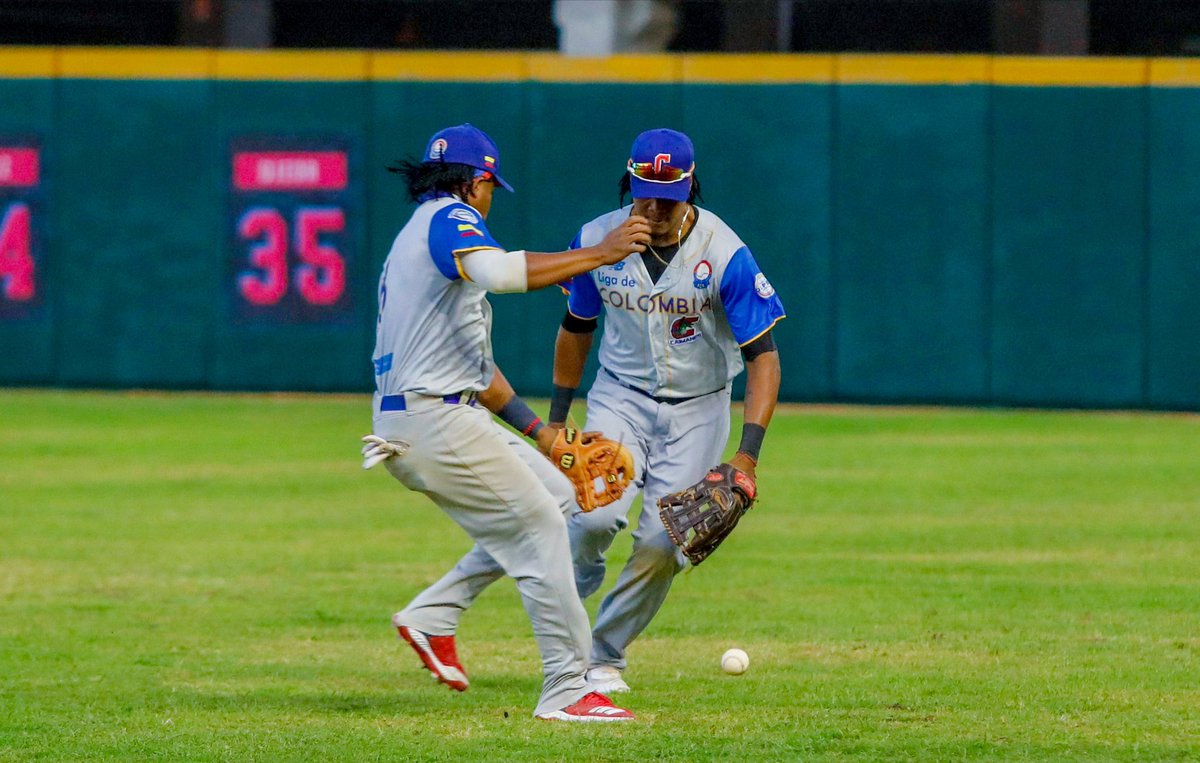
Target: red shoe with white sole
<point>438,655</point>
<point>591,708</point>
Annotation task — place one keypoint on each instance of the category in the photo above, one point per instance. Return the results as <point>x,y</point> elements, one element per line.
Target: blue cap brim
<point>503,183</point>
<point>677,191</point>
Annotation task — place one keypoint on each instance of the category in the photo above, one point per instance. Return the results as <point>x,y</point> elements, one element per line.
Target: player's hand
<point>627,238</point>
<point>545,438</point>
<point>745,463</point>
<point>377,449</point>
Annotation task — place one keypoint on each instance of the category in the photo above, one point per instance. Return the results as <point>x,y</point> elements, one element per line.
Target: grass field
<point>200,577</point>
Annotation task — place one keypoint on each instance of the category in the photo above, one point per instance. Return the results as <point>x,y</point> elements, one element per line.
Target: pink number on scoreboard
<point>16,257</point>
<point>269,256</point>
<point>322,278</point>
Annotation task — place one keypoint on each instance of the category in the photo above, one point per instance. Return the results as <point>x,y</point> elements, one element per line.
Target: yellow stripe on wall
<point>1175,72</point>
<point>474,66</point>
<point>913,70</point>
<point>28,63</point>
<point>449,66</point>
<point>293,65</point>
<point>135,63</point>
<point>651,68</point>
<point>1079,72</point>
<point>780,68</point>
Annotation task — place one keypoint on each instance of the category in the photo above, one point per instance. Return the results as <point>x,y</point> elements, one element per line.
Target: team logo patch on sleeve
<point>466,215</point>
<point>702,275</point>
<point>683,330</point>
<point>763,287</point>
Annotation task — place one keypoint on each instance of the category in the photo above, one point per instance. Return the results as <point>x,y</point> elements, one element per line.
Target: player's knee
<point>588,578</point>
<point>597,524</point>
<point>542,515</point>
<point>658,552</point>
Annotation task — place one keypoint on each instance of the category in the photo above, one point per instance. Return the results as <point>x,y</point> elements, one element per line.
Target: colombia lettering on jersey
<point>655,303</point>
<point>714,291</point>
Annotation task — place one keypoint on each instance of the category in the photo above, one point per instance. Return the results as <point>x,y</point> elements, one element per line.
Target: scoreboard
<point>293,225</point>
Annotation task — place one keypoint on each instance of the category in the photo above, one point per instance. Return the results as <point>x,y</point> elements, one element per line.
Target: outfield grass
<point>205,578</point>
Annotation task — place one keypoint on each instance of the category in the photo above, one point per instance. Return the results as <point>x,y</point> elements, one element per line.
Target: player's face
<point>665,216</point>
<point>481,195</point>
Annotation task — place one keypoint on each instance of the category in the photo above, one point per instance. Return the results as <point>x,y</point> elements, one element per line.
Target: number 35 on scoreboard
<point>291,247</point>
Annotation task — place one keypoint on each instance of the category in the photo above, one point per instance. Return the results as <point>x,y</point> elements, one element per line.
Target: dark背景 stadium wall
<point>950,229</point>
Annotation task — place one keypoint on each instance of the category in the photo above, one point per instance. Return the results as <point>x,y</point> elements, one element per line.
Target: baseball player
<point>433,363</point>
<point>681,318</point>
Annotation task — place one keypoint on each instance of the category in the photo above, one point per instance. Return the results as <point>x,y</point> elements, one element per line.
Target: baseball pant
<point>673,446</point>
<point>468,466</point>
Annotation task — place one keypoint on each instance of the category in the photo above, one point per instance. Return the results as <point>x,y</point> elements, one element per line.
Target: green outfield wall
<point>970,230</point>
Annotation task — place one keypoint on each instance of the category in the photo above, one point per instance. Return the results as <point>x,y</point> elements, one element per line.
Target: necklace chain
<point>678,240</point>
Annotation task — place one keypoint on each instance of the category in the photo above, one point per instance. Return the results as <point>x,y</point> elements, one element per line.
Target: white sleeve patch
<point>763,287</point>
<point>466,215</point>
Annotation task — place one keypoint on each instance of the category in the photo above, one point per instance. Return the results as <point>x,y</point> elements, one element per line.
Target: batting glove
<point>377,450</point>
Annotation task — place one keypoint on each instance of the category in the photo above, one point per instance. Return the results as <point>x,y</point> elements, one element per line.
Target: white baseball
<point>735,661</point>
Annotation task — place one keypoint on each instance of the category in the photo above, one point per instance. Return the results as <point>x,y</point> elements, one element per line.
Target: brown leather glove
<point>586,456</point>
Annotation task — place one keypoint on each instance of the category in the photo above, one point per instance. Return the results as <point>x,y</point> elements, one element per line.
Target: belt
<point>655,398</point>
<point>398,403</point>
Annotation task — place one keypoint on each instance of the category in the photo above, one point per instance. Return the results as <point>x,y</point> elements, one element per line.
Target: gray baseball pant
<point>470,467</point>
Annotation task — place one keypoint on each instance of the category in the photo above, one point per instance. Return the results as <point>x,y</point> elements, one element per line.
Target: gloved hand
<point>376,450</point>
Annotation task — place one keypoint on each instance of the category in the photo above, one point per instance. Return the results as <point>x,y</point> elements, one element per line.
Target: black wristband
<point>576,325</point>
<point>520,417</point>
<point>752,438</point>
<point>560,403</point>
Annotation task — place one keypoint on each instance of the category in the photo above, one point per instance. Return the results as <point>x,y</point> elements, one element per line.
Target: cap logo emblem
<point>438,149</point>
<point>660,160</point>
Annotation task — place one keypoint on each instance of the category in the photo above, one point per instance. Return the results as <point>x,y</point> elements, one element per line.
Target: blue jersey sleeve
<point>456,230</point>
<point>583,299</point>
<point>751,304</point>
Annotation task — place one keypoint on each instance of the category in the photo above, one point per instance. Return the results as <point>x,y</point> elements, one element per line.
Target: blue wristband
<point>560,403</point>
<point>518,415</point>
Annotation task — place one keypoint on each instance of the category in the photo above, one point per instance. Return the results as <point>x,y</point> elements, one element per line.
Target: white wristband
<point>495,270</point>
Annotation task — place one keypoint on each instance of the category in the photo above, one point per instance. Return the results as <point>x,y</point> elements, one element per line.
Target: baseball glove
<point>700,517</point>
<point>586,456</point>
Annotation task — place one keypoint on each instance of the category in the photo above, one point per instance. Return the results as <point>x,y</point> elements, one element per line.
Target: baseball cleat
<point>591,708</point>
<point>607,680</point>
<point>438,655</point>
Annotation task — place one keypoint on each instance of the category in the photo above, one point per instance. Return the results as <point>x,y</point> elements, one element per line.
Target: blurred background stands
<point>600,27</point>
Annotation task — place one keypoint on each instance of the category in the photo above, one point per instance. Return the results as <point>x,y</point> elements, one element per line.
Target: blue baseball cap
<point>661,164</point>
<point>466,144</point>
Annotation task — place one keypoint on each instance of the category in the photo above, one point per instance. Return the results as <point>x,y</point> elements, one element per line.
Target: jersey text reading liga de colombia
<point>679,336</point>
<point>434,329</point>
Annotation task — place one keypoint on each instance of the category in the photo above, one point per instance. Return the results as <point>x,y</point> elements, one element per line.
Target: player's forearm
<point>762,392</point>
<point>498,393</point>
<point>763,376</point>
<point>520,271</point>
<point>501,399</point>
<point>570,355</point>
<point>544,269</point>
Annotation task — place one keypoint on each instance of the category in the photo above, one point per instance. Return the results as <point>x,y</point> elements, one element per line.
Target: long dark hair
<point>623,187</point>
<point>434,177</point>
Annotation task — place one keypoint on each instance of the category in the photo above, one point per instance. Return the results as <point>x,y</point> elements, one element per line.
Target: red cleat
<point>591,708</point>
<point>438,655</point>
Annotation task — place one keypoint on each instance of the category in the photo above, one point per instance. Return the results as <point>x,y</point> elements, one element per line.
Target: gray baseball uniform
<point>432,355</point>
<point>669,353</point>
